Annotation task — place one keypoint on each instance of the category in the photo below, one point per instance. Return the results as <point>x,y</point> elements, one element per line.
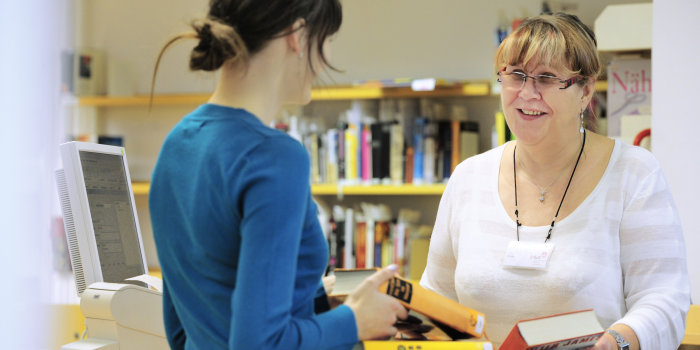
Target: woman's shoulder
<point>634,159</point>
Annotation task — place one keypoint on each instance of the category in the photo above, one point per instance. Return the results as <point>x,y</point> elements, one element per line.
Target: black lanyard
<point>515,181</point>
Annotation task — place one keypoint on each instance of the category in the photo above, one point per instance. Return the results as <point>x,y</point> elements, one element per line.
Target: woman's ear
<point>295,38</point>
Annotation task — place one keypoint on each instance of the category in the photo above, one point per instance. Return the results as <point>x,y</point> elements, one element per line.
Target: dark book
<point>341,150</point>
<point>444,149</point>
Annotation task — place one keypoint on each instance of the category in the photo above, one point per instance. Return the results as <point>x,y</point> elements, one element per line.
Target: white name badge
<point>528,255</point>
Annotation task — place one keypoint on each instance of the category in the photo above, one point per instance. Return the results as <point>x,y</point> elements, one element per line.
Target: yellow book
<point>438,308</point>
<point>351,153</point>
<point>435,306</point>
<point>501,127</point>
<point>470,344</point>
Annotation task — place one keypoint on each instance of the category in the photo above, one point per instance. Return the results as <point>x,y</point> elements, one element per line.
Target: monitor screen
<point>111,209</point>
<point>99,215</point>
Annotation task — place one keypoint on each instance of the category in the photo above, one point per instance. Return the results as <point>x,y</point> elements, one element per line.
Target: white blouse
<point>621,252</point>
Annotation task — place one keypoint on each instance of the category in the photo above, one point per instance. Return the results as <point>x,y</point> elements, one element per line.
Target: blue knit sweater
<point>238,238</point>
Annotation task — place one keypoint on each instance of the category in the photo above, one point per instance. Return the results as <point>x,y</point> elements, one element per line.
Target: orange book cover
<point>455,319</point>
<point>408,172</point>
<point>571,330</point>
<point>435,306</point>
<point>361,244</point>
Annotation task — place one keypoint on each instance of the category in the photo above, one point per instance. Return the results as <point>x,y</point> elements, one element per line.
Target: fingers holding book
<point>375,313</point>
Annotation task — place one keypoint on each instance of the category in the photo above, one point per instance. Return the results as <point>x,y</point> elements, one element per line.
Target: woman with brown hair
<point>237,234</point>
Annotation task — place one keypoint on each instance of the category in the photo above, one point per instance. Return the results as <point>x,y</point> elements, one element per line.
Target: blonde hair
<point>560,41</point>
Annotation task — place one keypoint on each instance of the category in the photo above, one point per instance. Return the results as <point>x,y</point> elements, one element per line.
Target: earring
<point>582,124</point>
<point>301,55</point>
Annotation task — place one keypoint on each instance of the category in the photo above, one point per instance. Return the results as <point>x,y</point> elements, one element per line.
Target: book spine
<point>419,148</point>
<point>435,306</point>
<point>341,151</point>
<point>333,246</point>
<point>500,125</point>
<point>381,239</point>
<point>456,156</point>
<point>361,243</point>
<point>351,153</point>
<point>366,155</point>
<point>396,154</point>
<point>376,147</point>
<point>338,235</point>
<point>400,247</point>
<point>429,153</point>
<point>469,139</point>
<point>385,152</point>
<point>348,255</point>
<point>369,241</point>
<point>332,156</point>
<point>410,157</point>
<point>315,169</point>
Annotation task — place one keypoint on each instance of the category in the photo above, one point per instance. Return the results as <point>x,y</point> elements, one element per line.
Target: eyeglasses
<point>543,82</point>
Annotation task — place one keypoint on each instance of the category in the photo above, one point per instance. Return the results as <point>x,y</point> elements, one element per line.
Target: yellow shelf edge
<point>142,188</point>
<point>476,88</point>
<point>330,93</point>
<point>345,93</point>
<point>378,190</point>
<point>143,100</point>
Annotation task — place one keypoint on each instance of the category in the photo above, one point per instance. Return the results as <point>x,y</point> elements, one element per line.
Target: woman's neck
<point>256,87</point>
<point>544,162</point>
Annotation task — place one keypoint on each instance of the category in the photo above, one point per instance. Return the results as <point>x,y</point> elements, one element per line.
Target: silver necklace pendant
<point>542,192</point>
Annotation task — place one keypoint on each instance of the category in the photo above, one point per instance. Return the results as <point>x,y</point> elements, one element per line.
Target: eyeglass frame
<point>567,82</point>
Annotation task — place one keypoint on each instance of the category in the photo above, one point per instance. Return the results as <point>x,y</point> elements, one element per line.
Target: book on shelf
<point>369,236</point>
<point>396,153</point>
<point>452,316</point>
<point>571,330</point>
<point>456,148</point>
<point>397,146</point>
<point>468,139</point>
<point>349,233</point>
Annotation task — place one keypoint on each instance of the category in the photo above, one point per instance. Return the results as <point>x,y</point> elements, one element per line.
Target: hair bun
<point>218,42</point>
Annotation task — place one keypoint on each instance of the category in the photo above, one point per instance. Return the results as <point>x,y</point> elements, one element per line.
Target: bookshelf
<point>143,133</point>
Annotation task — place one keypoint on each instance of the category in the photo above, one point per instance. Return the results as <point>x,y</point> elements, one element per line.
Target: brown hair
<point>236,29</point>
<point>557,40</point>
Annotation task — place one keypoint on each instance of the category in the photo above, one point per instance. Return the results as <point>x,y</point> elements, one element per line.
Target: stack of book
<point>398,142</point>
<point>368,237</point>
<point>434,322</point>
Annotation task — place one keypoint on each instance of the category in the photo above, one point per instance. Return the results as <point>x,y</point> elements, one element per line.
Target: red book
<point>571,330</point>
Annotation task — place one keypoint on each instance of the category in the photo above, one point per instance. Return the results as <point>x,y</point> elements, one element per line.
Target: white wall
<point>29,66</point>
<point>676,116</point>
<point>378,39</point>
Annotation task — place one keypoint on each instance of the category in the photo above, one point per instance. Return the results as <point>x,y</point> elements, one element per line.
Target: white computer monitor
<point>99,215</point>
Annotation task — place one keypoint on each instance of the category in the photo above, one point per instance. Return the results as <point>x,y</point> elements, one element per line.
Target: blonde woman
<point>598,210</point>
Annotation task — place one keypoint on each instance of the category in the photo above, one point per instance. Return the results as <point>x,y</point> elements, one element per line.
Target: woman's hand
<point>606,342</point>
<point>328,284</point>
<point>375,312</point>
